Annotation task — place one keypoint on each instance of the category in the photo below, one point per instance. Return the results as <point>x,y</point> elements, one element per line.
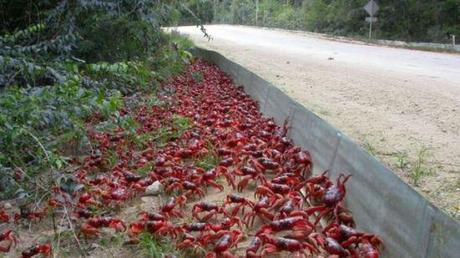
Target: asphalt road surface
<point>402,105</point>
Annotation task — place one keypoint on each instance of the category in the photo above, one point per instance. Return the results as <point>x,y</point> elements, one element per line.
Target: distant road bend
<point>395,102</point>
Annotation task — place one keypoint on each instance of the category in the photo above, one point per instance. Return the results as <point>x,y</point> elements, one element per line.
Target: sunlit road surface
<point>393,101</point>
<point>392,60</point>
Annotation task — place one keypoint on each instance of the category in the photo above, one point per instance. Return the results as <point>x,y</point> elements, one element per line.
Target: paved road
<point>435,65</point>
<point>396,102</point>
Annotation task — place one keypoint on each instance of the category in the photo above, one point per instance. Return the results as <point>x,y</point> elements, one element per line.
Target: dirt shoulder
<point>405,109</point>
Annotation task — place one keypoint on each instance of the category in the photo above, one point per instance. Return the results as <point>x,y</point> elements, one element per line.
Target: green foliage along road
<point>62,61</point>
<point>409,20</point>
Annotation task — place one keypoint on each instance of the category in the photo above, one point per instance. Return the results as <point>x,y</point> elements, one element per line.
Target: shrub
<point>62,61</point>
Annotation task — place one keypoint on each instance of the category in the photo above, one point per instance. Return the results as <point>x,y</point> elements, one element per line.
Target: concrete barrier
<point>381,202</point>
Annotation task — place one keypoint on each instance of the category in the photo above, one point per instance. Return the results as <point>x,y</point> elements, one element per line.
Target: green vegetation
<point>179,125</point>
<point>208,161</point>
<point>401,160</point>
<point>197,76</point>
<point>155,248</point>
<point>370,148</point>
<point>63,63</point>
<point>410,20</point>
<point>420,169</point>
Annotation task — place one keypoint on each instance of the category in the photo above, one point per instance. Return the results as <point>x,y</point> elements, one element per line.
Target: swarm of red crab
<point>287,210</point>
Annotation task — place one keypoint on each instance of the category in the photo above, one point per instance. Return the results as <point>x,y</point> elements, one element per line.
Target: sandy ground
<point>402,105</point>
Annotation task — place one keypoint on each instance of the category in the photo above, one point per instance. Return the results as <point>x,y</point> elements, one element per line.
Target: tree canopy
<point>409,20</point>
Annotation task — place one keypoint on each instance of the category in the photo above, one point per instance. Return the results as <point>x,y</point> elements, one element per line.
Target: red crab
<point>142,184</point>
<point>210,208</point>
<point>249,173</point>
<point>291,208</point>
<point>265,164</point>
<point>331,199</point>
<point>227,162</point>
<point>9,240</point>
<point>240,202</point>
<point>44,249</point>
<point>286,202</point>
<point>87,199</point>
<point>341,233</point>
<point>225,241</point>
<point>83,213</point>
<point>290,179</point>
<point>191,188</point>
<point>190,241</point>
<point>274,244</point>
<point>33,214</point>
<point>334,248</point>
<point>344,216</point>
<point>294,223</point>
<point>320,180</point>
<point>368,246</point>
<point>169,208</point>
<point>91,227</point>
<point>227,223</point>
<point>197,227</point>
<point>145,216</point>
<point>117,194</point>
<point>209,177</point>
<point>270,189</point>
<point>254,246</point>
<point>4,217</point>
<point>302,163</point>
<point>260,209</point>
<point>163,228</point>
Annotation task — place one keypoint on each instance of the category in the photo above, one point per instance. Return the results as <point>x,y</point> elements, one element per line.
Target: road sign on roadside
<point>371,8</point>
<point>371,19</point>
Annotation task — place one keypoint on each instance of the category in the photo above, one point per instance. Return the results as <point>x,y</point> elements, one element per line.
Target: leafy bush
<point>36,124</point>
<point>288,17</point>
<point>26,61</point>
<point>63,61</point>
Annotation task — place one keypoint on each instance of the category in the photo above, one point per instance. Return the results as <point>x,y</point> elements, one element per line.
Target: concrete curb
<point>380,201</point>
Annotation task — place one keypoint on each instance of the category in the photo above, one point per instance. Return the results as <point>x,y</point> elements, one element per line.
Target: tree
<point>411,20</point>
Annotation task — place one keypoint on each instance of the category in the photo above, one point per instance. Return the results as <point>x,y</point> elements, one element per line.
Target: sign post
<point>370,28</point>
<point>371,8</point>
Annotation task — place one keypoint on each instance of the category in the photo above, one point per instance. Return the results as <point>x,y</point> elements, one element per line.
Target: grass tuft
<point>154,247</point>
<point>197,77</point>
<point>208,161</point>
<point>181,123</point>
<point>401,160</point>
<point>420,169</point>
<point>371,149</point>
